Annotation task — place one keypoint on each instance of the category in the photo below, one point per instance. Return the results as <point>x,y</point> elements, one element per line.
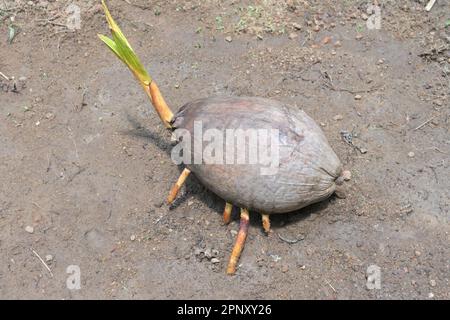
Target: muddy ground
<point>85,162</point>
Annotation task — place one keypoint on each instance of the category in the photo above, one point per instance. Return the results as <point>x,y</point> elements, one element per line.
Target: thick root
<point>240,242</point>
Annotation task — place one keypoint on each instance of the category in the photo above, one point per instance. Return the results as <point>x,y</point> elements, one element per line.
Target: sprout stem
<point>122,49</point>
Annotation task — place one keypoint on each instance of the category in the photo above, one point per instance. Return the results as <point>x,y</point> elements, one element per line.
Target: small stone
<point>133,237</point>
<point>228,39</point>
<point>29,229</point>
<point>292,35</point>
<point>48,258</point>
<point>215,260</point>
<point>297,26</point>
<point>431,295</point>
<point>437,102</point>
<point>433,283</point>
<point>190,203</point>
<point>23,79</point>
<point>208,253</point>
<point>284,268</point>
<point>340,194</point>
<point>363,150</point>
<point>358,97</point>
<point>259,37</point>
<point>275,257</point>
<point>49,115</point>
<point>333,52</point>
<point>417,253</point>
<point>358,37</point>
<point>158,203</point>
<point>233,232</point>
<point>411,154</point>
<point>316,28</point>
<point>337,44</point>
<point>364,16</point>
<point>347,175</point>
<point>338,117</point>
<point>326,40</point>
<point>380,61</point>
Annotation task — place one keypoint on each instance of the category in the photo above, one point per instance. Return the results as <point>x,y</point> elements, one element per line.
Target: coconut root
<point>266,223</point>
<point>177,186</point>
<point>240,242</point>
<point>227,213</point>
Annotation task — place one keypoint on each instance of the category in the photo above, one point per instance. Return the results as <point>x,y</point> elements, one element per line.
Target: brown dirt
<point>86,162</point>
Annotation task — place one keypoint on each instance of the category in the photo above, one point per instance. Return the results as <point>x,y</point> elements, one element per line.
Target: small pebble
<point>340,194</point>
<point>364,16</point>
<point>316,28</point>
<point>292,35</point>
<point>358,97</point>
<point>411,154</point>
<point>338,117</point>
<point>326,40</point>
<point>363,150</point>
<point>48,258</point>
<point>297,26</point>
<point>431,295</point>
<point>433,283</point>
<point>208,253</point>
<point>417,253</point>
<point>358,37</point>
<point>215,260</point>
<point>228,39</point>
<point>347,175</point>
<point>337,44</point>
<point>29,229</point>
<point>284,268</point>
<point>133,237</point>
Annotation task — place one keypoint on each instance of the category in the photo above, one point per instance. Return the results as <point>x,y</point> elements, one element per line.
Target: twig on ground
<point>43,262</point>
<point>430,5</point>
<point>290,241</point>
<point>4,76</point>
<point>424,124</point>
<point>327,282</point>
<point>332,87</point>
